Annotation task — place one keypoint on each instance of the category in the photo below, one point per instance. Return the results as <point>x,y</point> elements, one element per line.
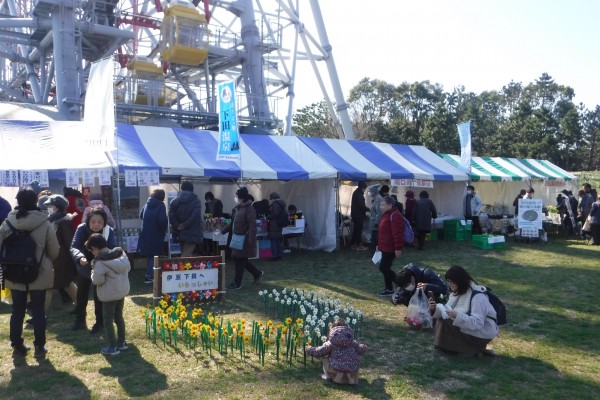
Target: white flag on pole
<point>99,114</point>
<point>464,133</point>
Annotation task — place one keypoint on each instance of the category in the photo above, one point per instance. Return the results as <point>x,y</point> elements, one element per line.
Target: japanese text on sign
<point>185,281</point>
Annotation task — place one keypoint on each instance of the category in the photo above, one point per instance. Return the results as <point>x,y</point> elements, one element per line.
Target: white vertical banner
<point>131,178</point>
<point>464,133</point>
<point>104,175</point>
<point>11,178</point>
<point>88,177</point>
<point>39,176</point>
<point>72,178</point>
<point>229,139</point>
<point>99,114</point>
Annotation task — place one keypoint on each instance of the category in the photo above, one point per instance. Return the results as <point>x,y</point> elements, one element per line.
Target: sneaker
<point>109,351</point>
<point>21,350</point>
<point>122,346</point>
<point>385,292</point>
<point>148,280</point>
<point>233,286</point>
<point>96,328</point>
<point>260,276</point>
<point>287,251</point>
<point>40,351</point>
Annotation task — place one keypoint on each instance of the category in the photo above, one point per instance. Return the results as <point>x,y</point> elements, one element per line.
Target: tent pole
<point>117,197</point>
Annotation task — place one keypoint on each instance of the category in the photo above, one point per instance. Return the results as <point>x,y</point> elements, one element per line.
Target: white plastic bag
<point>376,257</point>
<point>417,315</point>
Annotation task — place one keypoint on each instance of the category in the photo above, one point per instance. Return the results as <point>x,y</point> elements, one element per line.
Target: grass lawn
<point>548,350</point>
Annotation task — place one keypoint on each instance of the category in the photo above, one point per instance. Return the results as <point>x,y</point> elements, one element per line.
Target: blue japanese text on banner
<point>229,139</point>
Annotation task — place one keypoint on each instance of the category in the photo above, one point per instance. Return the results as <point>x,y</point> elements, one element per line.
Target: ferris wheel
<point>169,57</point>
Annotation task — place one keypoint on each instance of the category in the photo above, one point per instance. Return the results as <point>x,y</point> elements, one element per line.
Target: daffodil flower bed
<point>173,324</point>
<point>306,323</point>
<point>314,308</point>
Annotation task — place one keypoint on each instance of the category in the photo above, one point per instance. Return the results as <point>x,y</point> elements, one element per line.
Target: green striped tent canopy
<point>498,169</point>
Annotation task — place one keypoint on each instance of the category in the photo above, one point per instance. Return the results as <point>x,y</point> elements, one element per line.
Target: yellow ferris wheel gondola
<point>183,34</point>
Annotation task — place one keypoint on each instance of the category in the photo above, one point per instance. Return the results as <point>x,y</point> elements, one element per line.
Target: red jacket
<point>391,231</point>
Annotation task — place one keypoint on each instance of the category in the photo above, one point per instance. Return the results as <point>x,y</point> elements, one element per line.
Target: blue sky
<point>482,45</point>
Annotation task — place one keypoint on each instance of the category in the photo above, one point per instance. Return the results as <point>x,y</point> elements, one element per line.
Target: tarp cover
<point>511,169</point>
<point>47,145</point>
<point>355,159</point>
<point>187,152</point>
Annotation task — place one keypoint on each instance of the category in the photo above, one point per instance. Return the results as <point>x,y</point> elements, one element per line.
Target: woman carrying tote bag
<point>243,224</point>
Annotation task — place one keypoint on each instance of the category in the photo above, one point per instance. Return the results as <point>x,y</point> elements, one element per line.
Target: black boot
<point>79,325</point>
<point>20,350</point>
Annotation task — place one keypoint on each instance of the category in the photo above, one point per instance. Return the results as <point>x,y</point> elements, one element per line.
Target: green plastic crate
<point>458,235</point>
<point>481,242</point>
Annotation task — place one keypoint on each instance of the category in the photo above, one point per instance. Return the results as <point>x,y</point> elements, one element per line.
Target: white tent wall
<point>316,199</point>
<point>445,195</point>
<point>502,194</point>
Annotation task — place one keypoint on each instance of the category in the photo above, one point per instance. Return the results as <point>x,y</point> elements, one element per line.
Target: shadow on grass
<point>49,382</point>
<point>503,377</point>
<point>142,380</point>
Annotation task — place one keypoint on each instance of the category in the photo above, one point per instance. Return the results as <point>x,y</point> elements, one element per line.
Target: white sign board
<point>413,183</point>
<point>530,217</point>
<point>185,281</point>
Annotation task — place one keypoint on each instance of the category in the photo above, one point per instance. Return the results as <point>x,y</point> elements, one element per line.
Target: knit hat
<point>187,186</point>
<point>274,196</point>
<point>242,193</point>
<point>410,194</point>
<point>67,191</point>
<point>57,201</point>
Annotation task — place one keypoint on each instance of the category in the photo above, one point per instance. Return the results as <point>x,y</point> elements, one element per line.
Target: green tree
<point>314,120</point>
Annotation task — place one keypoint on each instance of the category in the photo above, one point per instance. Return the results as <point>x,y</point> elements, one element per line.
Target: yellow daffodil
<point>288,321</point>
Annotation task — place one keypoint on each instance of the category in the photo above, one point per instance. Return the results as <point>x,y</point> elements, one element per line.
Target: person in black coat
<point>277,213</point>
<point>414,276</point>
<point>423,213</point>
<point>185,216</point>
<point>358,211</point>
<point>213,206</point>
<point>154,230</point>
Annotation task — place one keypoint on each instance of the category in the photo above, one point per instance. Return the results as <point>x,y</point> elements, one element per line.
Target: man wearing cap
<point>471,206</point>
<point>185,217</point>
<point>358,212</point>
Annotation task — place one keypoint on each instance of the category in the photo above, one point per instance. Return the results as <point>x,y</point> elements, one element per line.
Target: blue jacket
<point>78,250</point>
<point>185,216</point>
<point>154,228</point>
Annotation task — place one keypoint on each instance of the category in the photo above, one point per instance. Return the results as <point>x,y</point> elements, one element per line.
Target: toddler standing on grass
<point>110,269</point>
<point>341,354</point>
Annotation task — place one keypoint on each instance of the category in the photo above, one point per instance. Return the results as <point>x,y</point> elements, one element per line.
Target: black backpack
<point>283,219</point>
<point>17,256</point>
<point>495,302</point>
